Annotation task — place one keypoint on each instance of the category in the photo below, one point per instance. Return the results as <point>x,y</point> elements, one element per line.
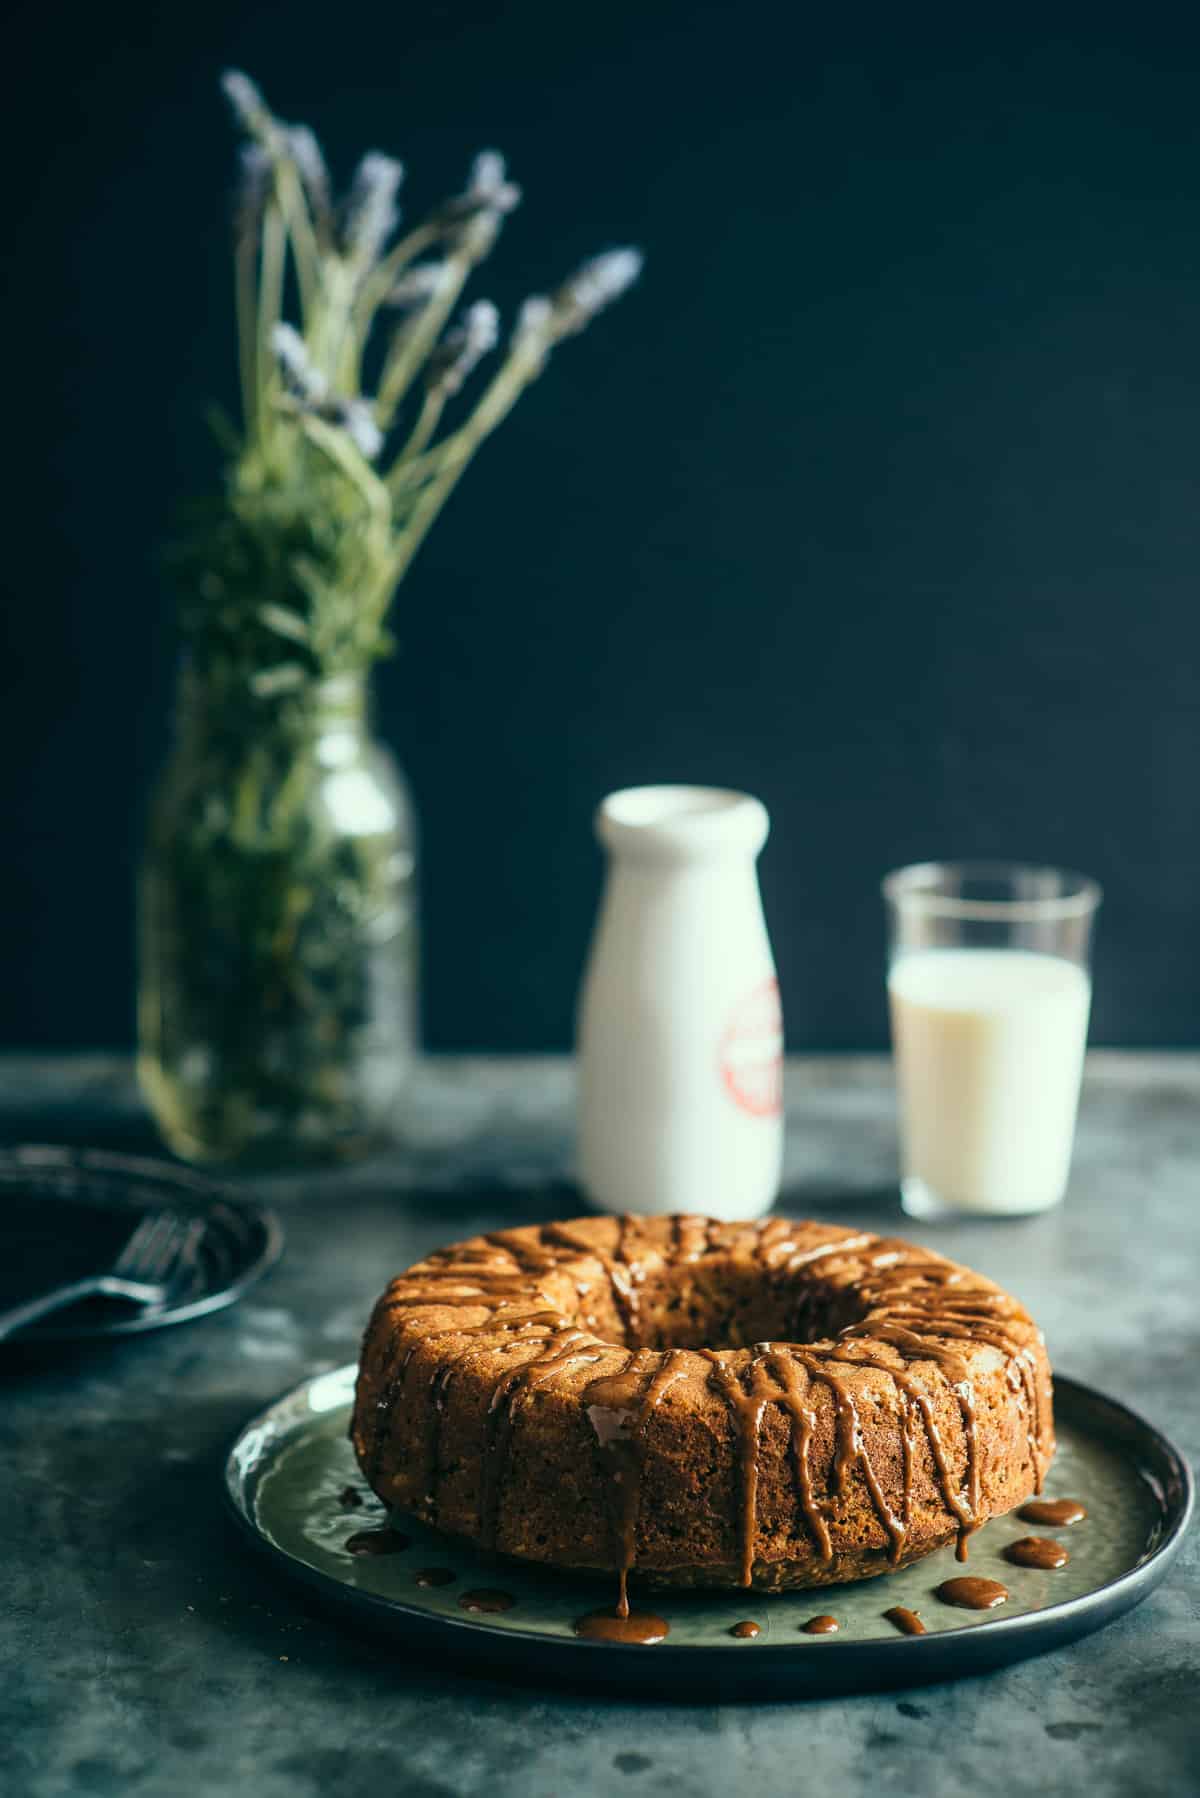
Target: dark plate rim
<point>921,1657</point>
<point>261,1222</point>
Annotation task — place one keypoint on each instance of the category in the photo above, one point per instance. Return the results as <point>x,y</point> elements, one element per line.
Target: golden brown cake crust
<point>541,1392</point>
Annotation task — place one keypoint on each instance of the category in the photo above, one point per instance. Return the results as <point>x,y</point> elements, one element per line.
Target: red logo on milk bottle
<point>751,1060</point>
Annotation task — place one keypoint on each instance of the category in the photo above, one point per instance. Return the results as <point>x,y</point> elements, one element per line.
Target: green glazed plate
<point>287,1471</point>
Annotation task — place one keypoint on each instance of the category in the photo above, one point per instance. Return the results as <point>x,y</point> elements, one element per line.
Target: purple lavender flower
<point>463,349</point>
<point>371,211</point>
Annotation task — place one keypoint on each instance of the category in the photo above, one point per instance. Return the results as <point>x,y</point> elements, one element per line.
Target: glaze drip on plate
<point>486,1599</point>
<point>639,1628</point>
<point>1057,1512</point>
<point>906,1621</point>
<point>973,1594</point>
<point>1037,1551</point>
<point>376,1542</point>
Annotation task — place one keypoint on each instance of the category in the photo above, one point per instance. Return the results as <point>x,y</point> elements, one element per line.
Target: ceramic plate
<point>68,1212</point>
<point>286,1480</point>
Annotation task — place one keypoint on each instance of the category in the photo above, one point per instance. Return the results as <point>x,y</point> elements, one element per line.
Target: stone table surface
<point>143,1652</point>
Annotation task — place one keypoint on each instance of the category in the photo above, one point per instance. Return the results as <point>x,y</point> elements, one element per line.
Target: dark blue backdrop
<point>879,498</point>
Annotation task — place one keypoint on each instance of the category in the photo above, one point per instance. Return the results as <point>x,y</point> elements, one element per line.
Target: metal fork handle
<point>95,1285</point>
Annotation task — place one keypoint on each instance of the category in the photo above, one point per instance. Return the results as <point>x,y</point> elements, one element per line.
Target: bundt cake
<point>769,1405</point>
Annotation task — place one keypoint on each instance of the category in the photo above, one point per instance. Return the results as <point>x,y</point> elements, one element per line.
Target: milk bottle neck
<point>682,827</point>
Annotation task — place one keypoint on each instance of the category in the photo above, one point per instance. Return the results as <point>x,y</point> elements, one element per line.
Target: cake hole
<point>722,1304</point>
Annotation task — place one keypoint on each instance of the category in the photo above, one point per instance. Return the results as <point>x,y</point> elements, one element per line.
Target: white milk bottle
<point>680,1034</point>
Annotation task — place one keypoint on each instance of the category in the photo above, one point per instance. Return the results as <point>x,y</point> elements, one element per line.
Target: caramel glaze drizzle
<point>620,1406</point>
<point>563,1348</point>
<point>492,1279</point>
<point>917,1308</point>
<point>497,1279</point>
<point>622,1271</point>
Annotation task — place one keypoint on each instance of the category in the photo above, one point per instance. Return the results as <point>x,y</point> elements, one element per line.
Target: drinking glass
<point>989,987</point>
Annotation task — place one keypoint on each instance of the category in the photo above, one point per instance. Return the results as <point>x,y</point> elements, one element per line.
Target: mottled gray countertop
<point>143,1652</point>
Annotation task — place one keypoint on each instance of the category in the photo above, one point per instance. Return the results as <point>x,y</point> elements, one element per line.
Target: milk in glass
<point>989,1055</point>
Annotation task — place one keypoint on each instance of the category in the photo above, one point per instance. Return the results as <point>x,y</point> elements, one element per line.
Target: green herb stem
<point>272,269</point>
<point>412,342</point>
<point>521,366</point>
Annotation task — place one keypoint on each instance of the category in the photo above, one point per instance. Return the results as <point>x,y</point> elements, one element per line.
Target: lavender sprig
<point>461,351</point>
<point>313,436</point>
<point>254,185</point>
<point>449,366</point>
<point>464,227</point>
<point>307,382</point>
<point>488,183</point>
<point>540,324</point>
<point>473,218</point>
<point>307,155</point>
<point>311,391</point>
<point>593,287</point>
<point>287,149</point>
<point>371,211</point>
<point>422,282</point>
<point>249,107</point>
<point>543,322</point>
<point>357,418</point>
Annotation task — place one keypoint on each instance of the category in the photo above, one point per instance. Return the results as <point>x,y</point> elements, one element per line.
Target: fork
<point>144,1272</point>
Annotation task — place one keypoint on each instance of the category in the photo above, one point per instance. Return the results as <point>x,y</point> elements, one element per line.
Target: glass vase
<point>277,1004</point>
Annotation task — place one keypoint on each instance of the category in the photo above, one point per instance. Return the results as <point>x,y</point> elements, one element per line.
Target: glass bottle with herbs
<point>278,977</point>
<point>277,1011</point>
